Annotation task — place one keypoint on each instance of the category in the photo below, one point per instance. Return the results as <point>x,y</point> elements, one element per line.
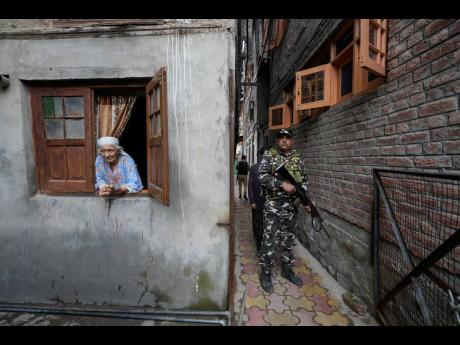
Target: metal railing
<point>416,253</point>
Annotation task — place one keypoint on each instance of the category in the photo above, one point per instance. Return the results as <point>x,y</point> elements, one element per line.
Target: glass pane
<point>346,79</point>
<point>48,107</point>
<point>373,35</point>
<point>277,117</point>
<point>372,55</point>
<point>157,98</point>
<point>157,124</point>
<point>75,129</point>
<point>54,129</point>
<point>73,106</point>
<point>312,87</point>
<point>152,123</point>
<point>371,76</point>
<point>58,107</point>
<point>343,41</point>
<point>152,102</point>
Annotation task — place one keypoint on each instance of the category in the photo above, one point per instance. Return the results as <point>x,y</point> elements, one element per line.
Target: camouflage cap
<point>284,131</point>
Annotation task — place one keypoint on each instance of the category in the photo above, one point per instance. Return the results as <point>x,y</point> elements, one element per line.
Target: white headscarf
<point>111,141</point>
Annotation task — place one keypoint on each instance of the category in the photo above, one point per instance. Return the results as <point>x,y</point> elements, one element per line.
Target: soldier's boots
<point>245,197</point>
<point>288,273</point>
<point>266,281</point>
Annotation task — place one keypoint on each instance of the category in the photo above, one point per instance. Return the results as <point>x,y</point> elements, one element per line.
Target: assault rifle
<point>284,174</point>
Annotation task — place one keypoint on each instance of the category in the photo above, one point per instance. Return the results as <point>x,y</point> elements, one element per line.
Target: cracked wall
<point>125,251</point>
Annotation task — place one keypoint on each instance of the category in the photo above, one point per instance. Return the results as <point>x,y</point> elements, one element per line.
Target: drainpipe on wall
<point>184,316</point>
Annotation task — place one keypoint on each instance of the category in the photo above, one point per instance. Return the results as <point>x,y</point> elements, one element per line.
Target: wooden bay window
<point>279,116</point>
<point>357,65</point>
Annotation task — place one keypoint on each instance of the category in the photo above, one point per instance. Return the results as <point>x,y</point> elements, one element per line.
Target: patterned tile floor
<point>318,302</point>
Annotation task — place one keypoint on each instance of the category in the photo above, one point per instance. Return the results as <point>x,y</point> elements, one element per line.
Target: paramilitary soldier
<point>279,208</point>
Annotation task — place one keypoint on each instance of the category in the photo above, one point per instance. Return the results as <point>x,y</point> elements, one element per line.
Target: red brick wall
<point>412,121</point>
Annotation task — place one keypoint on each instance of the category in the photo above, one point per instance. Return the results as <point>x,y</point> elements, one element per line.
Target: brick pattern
<point>411,121</point>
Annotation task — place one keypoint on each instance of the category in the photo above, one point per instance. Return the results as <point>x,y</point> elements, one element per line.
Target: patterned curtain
<point>112,114</point>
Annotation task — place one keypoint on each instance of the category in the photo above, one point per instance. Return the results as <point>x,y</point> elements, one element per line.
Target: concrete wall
<point>130,250</point>
<point>411,121</point>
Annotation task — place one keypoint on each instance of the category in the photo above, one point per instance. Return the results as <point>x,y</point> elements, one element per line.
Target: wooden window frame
<point>378,66</point>
<point>361,63</point>
<point>326,88</point>
<point>45,183</point>
<point>354,51</point>
<point>65,88</point>
<point>286,123</point>
<point>158,191</point>
<point>280,25</point>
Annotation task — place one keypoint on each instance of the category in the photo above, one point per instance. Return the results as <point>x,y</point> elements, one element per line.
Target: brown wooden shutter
<point>273,34</point>
<point>157,138</point>
<point>279,116</point>
<point>373,45</point>
<point>62,121</point>
<point>313,88</point>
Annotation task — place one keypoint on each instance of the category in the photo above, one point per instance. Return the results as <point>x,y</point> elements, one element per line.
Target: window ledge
<point>45,196</point>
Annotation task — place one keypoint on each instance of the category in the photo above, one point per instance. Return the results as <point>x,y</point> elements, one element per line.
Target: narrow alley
<point>318,303</point>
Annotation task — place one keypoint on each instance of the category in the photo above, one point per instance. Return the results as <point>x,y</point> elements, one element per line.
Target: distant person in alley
<point>279,208</point>
<point>256,200</point>
<point>242,177</point>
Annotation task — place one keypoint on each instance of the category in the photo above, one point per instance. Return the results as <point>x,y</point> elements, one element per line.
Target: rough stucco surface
<point>132,250</point>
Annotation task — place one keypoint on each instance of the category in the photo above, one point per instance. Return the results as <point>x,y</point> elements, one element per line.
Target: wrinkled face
<point>109,153</point>
<point>285,143</point>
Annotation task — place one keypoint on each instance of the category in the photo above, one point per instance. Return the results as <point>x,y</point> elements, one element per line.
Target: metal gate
<point>416,252</point>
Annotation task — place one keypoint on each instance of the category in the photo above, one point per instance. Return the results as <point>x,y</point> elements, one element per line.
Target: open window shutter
<point>282,27</point>
<point>62,119</point>
<point>157,138</point>
<point>273,33</point>
<point>279,116</point>
<point>313,88</point>
<point>373,45</point>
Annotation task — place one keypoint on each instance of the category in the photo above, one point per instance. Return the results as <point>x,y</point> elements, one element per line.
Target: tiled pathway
<point>318,302</point>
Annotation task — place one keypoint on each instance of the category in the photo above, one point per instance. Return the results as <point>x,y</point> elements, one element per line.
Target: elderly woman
<point>116,172</point>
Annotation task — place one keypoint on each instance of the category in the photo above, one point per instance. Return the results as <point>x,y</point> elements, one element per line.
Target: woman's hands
<point>109,189</point>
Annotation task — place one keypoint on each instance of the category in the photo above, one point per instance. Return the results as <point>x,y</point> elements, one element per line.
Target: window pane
<point>277,117</point>
<point>73,106</point>
<point>157,98</point>
<point>75,129</point>
<point>152,124</point>
<point>371,76</point>
<point>152,102</point>
<point>372,55</point>
<point>312,87</point>
<point>373,35</point>
<point>343,41</point>
<point>58,107</point>
<point>48,107</point>
<point>54,129</point>
<point>157,124</point>
<point>346,78</point>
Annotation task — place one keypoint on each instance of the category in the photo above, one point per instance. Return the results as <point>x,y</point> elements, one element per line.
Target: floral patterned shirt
<point>124,174</point>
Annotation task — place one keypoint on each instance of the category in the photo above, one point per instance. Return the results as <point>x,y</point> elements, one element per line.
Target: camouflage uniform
<point>279,207</point>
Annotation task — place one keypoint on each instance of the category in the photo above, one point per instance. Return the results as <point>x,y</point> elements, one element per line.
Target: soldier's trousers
<point>279,226</point>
